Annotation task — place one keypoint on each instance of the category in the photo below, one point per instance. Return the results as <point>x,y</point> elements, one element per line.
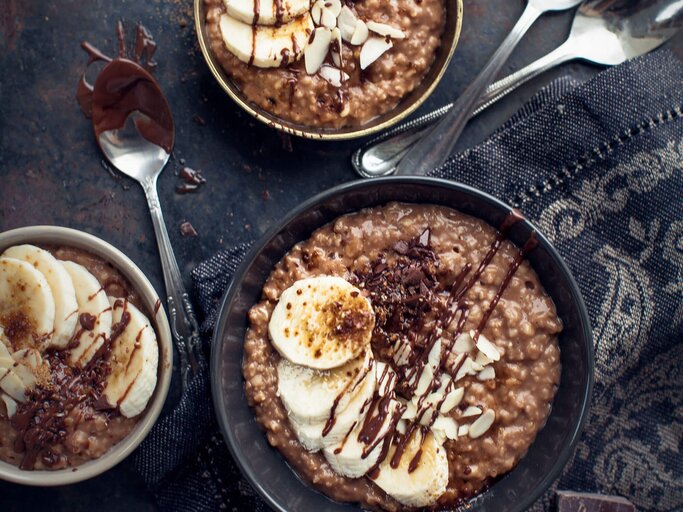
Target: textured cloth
<point>600,170</point>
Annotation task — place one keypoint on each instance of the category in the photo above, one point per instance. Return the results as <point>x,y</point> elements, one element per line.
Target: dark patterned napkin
<point>600,170</point>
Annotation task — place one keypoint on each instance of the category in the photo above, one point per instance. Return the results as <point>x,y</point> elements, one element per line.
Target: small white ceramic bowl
<point>55,235</point>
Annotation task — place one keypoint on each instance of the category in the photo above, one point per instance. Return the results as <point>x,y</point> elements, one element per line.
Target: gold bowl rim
<point>311,132</point>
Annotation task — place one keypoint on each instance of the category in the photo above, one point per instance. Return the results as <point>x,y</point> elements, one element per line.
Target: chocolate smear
<point>124,88</point>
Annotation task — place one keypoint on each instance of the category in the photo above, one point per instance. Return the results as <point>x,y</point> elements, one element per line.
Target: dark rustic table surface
<point>53,173</point>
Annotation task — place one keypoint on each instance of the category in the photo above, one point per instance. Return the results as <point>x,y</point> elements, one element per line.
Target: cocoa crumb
<point>187,229</point>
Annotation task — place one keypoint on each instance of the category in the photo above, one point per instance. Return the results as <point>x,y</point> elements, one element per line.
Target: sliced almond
<point>487,373</point>
<point>10,405</point>
<point>476,366</point>
<point>335,6</point>
<point>482,424</point>
<point>385,30</point>
<point>463,344</point>
<point>328,19</point>
<point>360,33</point>
<point>465,369</point>
<point>347,23</point>
<point>488,348</point>
<point>336,47</point>
<point>316,51</point>
<point>317,12</point>
<point>427,415</point>
<point>452,399</point>
<point>333,75</point>
<point>472,410</point>
<point>410,412</point>
<point>447,425</point>
<point>463,430</point>
<point>482,359</point>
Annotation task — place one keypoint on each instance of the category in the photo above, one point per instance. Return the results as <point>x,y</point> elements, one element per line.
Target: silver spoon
<point>135,130</point>
<point>433,149</point>
<point>604,32</point>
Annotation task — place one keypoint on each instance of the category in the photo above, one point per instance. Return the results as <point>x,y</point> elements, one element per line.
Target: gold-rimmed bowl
<point>449,40</point>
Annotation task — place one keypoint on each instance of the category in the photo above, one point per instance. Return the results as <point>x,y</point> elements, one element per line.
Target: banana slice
<point>426,483</point>
<point>21,371</point>
<point>321,322</point>
<point>266,12</point>
<point>94,314</point>
<point>356,455</point>
<point>360,450</point>
<point>309,395</point>
<point>265,46</point>
<point>10,382</point>
<point>133,360</point>
<point>27,308</point>
<point>338,424</point>
<point>63,293</point>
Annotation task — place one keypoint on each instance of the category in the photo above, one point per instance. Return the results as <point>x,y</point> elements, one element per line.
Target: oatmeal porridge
<point>325,63</point>
<point>425,347</point>
<point>78,357</point>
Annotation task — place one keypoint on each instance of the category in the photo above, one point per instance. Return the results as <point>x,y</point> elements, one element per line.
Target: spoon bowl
<point>131,153</point>
<point>609,32</point>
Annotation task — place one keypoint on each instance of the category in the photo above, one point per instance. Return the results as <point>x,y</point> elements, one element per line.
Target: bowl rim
<point>310,132</point>
<point>219,332</point>
<point>118,452</point>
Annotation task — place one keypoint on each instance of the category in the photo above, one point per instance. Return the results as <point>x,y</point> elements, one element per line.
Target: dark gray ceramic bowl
<point>264,466</point>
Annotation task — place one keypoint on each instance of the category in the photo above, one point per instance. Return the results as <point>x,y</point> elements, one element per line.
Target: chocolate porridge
<point>67,417</point>
<point>434,277</point>
<point>346,87</point>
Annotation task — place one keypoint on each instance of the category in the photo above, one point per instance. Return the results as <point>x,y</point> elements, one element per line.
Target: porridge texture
<point>68,419</point>
<point>392,240</point>
<point>289,92</point>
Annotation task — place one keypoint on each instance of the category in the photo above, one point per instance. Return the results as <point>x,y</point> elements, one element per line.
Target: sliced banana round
<point>426,483</point>
<point>309,395</point>
<point>94,314</point>
<point>63,293</point>
<point>20,372</point>
<point>321,322</point>
<point>356,455</point>
<point>266,12</point>
<point>133,360</point>
<point>266,46</point>
<point>339,422</point>
<point>27,308</point>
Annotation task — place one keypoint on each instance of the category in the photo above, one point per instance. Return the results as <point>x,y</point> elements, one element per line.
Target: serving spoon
<point>134,128</point>
<point>437,144</point>
<point>604,32</point>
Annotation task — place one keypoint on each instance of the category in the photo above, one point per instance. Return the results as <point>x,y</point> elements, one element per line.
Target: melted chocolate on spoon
<point>124,87</point>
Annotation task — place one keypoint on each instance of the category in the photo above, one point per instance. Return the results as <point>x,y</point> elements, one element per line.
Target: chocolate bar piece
<point>568,501</point>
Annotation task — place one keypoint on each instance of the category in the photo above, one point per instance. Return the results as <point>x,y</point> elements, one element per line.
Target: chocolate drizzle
<point>405,291</point>
<point>124,88</point>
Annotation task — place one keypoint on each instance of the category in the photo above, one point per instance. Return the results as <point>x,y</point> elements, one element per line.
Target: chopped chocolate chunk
<point>193,180</point>
<point>187,229</point>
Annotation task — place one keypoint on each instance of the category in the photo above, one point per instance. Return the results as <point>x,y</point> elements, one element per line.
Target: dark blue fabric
<point>600,170</point>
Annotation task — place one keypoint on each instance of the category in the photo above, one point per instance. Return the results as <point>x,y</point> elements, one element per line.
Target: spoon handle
<point>184,327</point>
<point>380,156</point>
<point>438,143</point>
